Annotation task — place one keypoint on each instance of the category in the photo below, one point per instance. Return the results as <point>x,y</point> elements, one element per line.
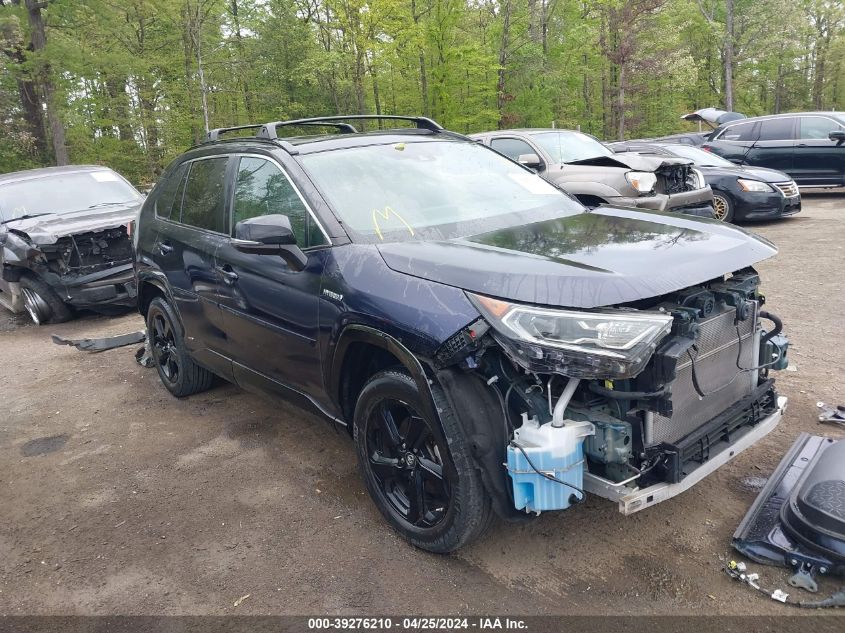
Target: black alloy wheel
<point>407,462</point>
<point>177,370</point>
<point>164,348</point>
<point>418,466</point>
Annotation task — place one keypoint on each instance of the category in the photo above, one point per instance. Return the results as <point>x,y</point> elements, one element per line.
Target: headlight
<point>610,344</point>
<point>642,181</point>
<point>753,185</point>
<point>697,178</point>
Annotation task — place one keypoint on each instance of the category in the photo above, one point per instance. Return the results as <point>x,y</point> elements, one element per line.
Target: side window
<point>170,197</point>
<point>513,148</point>
<point>203,204</point>
<point>777,129</point>
<point>263,189</point>
<point>816,128</point>
<point>739,132</point>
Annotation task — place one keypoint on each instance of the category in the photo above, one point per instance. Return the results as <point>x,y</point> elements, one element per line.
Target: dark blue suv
<point>493,347</point>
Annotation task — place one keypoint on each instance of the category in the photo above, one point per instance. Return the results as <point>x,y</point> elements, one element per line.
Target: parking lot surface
<point>120,499</point>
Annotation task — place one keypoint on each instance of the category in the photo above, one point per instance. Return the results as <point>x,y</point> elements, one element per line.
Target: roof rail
<point>214,135</point>
<point>268,130</point>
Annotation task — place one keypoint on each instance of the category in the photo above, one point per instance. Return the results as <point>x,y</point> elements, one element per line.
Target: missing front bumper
<point>633,500</point>
<point>798,519</point>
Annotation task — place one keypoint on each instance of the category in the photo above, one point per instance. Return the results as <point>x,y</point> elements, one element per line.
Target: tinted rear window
<point>777,129</point>
<point>739,132</point>
<point>203,205</point>
<point>169,199</point>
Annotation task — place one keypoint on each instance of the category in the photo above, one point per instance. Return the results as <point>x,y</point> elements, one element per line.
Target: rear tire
<point>177,370</point>
<point>42,303</point>
<point>723,208</point>
<point>428,490</point>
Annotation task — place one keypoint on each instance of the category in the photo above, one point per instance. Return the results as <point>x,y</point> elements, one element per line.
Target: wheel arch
<point>151,286</point>
<point>376,350</point>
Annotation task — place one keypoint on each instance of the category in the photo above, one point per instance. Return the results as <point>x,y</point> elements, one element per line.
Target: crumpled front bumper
<point>109,286</point>
<point>698,202</point>
<point>798,519</point>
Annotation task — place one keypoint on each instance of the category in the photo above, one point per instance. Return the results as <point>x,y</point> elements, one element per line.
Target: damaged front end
<point>634,403</point>
<point>90,269</point>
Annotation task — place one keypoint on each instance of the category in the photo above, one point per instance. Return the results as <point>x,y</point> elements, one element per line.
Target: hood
<point>766,175</point>
<point>600,258</point>
<point>47,229</point>
<point>740,171</point>
<point>632,160</point>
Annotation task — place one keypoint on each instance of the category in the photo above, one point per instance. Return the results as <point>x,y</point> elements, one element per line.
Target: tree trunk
<point>39,42</point>
<point>503,60</point>
<point>729,55</point>
<point>241,65</point>
<point>11,44</point>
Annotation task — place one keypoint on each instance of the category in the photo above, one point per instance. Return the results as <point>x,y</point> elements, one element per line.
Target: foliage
<point>134,82</point>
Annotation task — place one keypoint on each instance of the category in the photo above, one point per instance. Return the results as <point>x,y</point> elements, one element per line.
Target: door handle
<point>229,275</point>
<point>165,248</point>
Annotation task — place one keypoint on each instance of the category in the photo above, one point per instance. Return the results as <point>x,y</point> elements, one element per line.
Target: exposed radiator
<point>715,365</point>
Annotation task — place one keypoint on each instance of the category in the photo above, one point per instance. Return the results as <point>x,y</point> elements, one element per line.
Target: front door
<point>271,309</point>
<point>190,230</point>
<point>818,160</point>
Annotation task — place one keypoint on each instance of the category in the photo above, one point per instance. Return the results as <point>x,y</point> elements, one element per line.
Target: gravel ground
<point>119,499</point>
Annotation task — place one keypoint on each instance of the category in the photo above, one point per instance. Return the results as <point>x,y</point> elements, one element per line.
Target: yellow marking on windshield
<point>386,216</point>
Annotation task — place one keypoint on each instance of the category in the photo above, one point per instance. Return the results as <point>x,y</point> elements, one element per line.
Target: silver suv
<point>584,167</point>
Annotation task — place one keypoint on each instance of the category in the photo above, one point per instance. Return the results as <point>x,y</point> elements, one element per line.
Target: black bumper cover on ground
<point>798,519</point>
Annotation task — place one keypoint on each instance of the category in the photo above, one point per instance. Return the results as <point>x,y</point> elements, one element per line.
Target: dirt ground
<point>118,499</point>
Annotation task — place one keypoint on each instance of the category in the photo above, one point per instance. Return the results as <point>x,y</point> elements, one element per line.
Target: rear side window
<point>169,201</point>
<point>263,189</point>
<point>777,129</point>
<point>203,205</point>
<point>739,132</point>
<point>513,148</point>
<point>817,128</point>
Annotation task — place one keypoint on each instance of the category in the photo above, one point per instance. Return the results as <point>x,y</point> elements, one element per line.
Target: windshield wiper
<point>24,217</point>
<point>105,204</point>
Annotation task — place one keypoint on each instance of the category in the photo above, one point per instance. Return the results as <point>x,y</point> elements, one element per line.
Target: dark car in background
<point>809,146</point>
<point>739,193</point>
<point>492,346</point>
<point>582,166</point>
<point>64,241</point>
<point>711,117</point>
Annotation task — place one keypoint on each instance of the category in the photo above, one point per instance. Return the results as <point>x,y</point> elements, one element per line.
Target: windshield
<point>699,156</point>
<point>568,147</point>
<point>62,193</point>
<point>431,190</point>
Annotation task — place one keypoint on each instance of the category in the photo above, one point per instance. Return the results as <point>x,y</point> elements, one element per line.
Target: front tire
<point>42,303</point>
<point>427,489</point>
<point>177,370</point>
<point>723,208</point>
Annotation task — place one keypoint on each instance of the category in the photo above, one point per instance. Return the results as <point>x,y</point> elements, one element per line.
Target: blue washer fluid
<point>555,450</point>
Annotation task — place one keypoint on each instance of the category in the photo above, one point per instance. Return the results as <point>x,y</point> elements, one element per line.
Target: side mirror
<point>270,235</point>
<point>531,161</point>
<point>837,135</point>
<point>266,229</point>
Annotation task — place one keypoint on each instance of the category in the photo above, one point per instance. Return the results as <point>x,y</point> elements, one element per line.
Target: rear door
<point>270,309</point>
<point>735,141</point>
<point>775,144</point>
<point>190,230</point>
<point>818,160</point>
